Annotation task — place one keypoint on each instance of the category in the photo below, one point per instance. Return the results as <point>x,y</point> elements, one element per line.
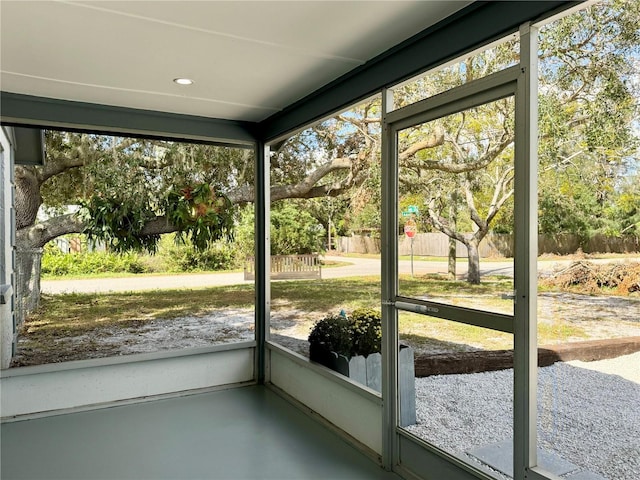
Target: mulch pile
<point>581,276</point>
<point>621,278</point>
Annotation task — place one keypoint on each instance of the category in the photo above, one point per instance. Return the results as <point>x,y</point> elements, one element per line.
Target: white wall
<point>86,383</point>
<point>6,248</point>
<point>352,408</point>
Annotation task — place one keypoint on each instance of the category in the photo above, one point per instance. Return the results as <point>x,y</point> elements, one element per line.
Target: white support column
<point>7,240</point>
<point>526,253</point>
<point>262,255</point>
<point>389,280</point>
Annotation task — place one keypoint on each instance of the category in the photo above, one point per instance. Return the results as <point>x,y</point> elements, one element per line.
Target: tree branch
<point>440,224</point>
<point>56,165</point>
<point>158,226</point>
<point>478,164</point>
<point>471,204</point>
<point>307,187</point>
<point>436,139</point>
<point>36,236</point>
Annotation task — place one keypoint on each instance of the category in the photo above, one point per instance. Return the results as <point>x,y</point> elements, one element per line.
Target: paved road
<point>357,267</point>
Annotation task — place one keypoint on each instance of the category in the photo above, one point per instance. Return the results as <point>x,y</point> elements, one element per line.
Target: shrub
<point>358,334</point>
<point>183,257</point>
<point>366,326</point>
<point>57,263</point>
<point>333,333</point>
<point>293,231</point>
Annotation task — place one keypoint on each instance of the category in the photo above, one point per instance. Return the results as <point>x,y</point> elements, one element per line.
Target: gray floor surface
<point>242,433</point>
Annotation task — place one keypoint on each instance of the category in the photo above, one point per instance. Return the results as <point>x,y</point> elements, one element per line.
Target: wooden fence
<point>493,245</point>
<point>289,267</point>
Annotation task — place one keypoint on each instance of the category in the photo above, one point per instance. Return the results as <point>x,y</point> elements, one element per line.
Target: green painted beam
<point>27,110</point>
<point>475,25</point>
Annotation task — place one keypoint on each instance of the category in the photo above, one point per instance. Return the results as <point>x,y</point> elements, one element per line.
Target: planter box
<point>368,371</point>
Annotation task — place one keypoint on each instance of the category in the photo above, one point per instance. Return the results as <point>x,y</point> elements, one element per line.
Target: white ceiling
<point>248,59</point>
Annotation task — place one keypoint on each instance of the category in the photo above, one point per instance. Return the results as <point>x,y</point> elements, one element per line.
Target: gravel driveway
<point>588,414</point>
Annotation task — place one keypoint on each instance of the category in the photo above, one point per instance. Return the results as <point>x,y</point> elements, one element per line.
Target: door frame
<point>403,452</point>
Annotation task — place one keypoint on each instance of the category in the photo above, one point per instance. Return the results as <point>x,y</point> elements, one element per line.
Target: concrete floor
<point>242,433</point>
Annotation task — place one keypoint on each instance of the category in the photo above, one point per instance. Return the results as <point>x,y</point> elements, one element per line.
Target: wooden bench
<point>288,267</point>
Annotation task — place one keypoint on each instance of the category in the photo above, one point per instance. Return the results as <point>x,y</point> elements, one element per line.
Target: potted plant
<point>351,345</point>
<point>357,334</point>
<point>366,332</point>
<point>330,338</point>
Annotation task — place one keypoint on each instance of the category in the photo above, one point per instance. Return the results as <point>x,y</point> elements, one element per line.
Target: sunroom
<point>258,74</point>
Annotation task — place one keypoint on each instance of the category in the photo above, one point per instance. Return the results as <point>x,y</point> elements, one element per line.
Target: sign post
<point>410,229</point>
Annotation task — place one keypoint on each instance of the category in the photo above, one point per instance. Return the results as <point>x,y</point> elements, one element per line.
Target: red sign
<point>410,228</point>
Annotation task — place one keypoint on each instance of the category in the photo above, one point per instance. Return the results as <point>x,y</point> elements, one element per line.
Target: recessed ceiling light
<point>183,81</point>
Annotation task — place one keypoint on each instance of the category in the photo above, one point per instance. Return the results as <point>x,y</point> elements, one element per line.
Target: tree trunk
<point>28,268</point>
<point>28,198</point>
<point>453,220</point>
<point>452,258</point>
<point>28,251</point>
<point>473,274</point>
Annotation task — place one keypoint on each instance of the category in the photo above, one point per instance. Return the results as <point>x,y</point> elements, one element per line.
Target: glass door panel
<point>589,377</point>
<point>455,283</point>
<point>463,390</point>
<point>455,194</point>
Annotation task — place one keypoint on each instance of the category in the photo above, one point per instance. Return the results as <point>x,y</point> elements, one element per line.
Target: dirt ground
<point>601,316</point>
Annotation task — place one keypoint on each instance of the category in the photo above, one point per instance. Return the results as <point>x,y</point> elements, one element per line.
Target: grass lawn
<point>82,312</point>
<point>76,322</point>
